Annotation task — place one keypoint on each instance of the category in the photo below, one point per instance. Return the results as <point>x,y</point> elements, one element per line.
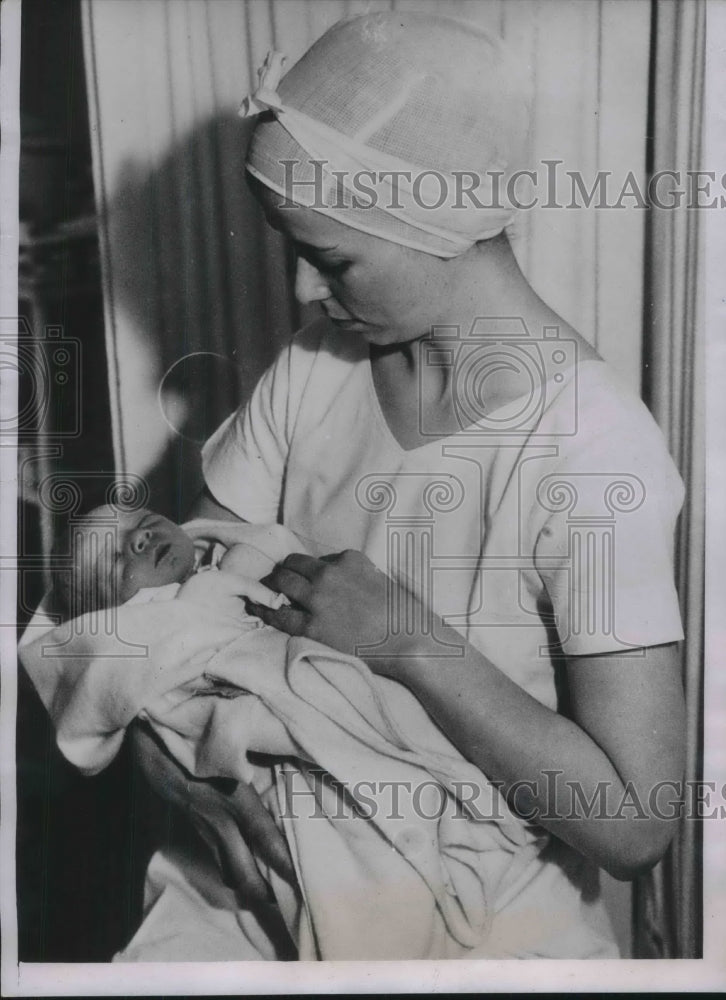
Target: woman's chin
<point>371,334</point>
<point>380,336</point>
<point>345,322</point>
<point>384,337</point>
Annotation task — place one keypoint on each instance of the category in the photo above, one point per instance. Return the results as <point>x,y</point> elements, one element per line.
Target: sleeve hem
<point>591,645</point>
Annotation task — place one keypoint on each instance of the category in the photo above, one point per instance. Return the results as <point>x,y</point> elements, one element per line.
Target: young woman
<point>494,512</point>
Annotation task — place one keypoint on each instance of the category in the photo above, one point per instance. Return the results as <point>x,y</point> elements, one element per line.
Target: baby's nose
<point>139,540</point>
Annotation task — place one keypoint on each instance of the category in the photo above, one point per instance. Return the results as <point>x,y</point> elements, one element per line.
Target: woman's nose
<point>310,286</point>
<point>139,540</point>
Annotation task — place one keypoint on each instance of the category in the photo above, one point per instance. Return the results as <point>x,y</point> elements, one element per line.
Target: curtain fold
<point>668,901</point>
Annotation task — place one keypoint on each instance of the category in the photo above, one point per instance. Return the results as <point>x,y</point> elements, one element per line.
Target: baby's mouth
<point>161,551</point>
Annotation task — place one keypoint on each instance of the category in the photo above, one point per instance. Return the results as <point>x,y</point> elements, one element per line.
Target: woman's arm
<point>625,736</point>
<point>206,506</point>
<point>593,779</point>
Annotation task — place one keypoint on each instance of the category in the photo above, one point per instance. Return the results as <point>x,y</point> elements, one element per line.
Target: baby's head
<point>113,554</point>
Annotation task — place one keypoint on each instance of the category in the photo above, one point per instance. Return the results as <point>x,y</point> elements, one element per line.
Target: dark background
<point>82,843</point>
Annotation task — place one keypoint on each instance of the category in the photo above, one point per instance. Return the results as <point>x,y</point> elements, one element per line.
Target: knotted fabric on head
<point>405,126</point>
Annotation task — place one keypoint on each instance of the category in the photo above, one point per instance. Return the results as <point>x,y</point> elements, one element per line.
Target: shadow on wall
<point>201,300</point>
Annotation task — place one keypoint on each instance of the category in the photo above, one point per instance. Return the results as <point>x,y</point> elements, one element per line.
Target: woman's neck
<point>492,325</point>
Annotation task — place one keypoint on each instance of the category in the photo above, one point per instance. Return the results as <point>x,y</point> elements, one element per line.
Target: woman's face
<point>387,293</point>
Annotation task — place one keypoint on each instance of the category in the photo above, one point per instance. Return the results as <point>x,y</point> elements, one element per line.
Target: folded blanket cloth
<point>402,848</point>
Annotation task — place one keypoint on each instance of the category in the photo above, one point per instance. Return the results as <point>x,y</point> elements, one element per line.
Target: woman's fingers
<point>162,772</point>
<point>294,621</point>
<point>340,599</point>
<point>306,566</point>
<point>288,582</point>
<point>238,866</point>
<point>260,830</point>
<point>234,824</point>
<point>224,819</point>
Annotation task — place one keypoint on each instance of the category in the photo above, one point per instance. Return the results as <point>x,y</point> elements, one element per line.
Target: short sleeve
<point>244,460</point>
<point>605,548</point>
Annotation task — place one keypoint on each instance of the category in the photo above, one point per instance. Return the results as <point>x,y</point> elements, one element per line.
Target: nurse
<point>493,513</point>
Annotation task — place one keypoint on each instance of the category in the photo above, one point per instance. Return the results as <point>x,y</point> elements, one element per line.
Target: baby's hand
<point>246,561</point>
<point>215,587</point>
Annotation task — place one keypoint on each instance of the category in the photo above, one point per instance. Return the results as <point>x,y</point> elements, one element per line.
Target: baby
<point>113,556</point>
<point>299,722</point>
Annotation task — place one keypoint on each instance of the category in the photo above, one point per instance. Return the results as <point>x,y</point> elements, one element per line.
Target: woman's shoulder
<point>604,401</point>
<point>603,422</point>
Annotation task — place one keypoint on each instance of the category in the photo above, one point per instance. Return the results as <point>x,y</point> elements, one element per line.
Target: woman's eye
<point>329,268</point>
<point>335,270</point>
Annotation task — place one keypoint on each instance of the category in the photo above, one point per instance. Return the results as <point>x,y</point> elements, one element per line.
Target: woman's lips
<point>344,321</point>
<point>337,317</point>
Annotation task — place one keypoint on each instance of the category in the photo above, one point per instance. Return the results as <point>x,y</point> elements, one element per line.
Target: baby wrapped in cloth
<point>402,849</point>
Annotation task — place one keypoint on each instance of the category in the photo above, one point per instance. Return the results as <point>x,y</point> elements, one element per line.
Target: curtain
<point>669,900</point>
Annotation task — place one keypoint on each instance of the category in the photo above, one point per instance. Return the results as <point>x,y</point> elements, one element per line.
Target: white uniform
<point>546,526</point>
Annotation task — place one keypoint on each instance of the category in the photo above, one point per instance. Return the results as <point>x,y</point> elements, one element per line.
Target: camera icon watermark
<point>502,349</point>
<point>47,365</point>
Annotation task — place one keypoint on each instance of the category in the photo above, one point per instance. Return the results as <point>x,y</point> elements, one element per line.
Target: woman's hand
<point>626,732</point>
<point>229,823</point>
<point>341,600</point>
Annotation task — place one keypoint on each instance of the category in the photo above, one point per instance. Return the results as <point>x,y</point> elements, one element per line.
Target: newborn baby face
<point>133,550</point>
<point>151,552</point>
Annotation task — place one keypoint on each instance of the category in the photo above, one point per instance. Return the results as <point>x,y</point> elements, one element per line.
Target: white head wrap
<point>405,114</point>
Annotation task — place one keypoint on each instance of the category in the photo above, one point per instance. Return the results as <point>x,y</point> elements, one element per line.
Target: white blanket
<point>391,861</point>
